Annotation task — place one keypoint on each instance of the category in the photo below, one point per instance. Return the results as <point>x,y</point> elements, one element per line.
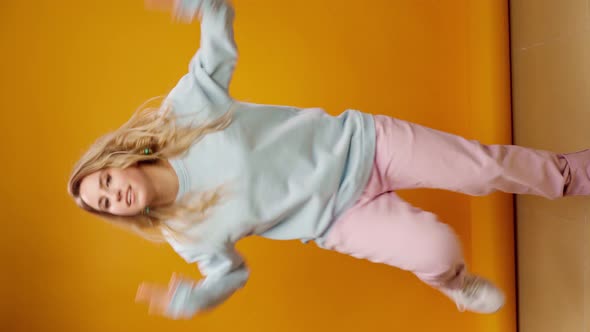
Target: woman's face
<point>121,192</point>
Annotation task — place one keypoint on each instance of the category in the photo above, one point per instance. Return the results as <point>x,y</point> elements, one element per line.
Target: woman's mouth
<point>129,196</point>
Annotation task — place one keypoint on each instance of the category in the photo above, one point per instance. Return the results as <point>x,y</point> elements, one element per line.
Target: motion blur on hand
<point>181,10</point>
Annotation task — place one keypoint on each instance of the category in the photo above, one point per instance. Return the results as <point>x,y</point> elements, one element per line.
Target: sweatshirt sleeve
<point>224,272</point>
<point>216,58</point>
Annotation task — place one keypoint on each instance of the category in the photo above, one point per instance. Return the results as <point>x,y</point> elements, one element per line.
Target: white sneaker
<point>477,295</point>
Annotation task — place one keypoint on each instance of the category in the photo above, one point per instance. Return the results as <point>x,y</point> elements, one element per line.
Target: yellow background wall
<point>72,70</point>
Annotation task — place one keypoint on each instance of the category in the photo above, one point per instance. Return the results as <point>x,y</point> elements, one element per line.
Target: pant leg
<point>388,230</point>
<point>413,156</point>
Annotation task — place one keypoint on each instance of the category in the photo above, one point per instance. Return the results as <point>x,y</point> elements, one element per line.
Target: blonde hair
<point>153,128</point>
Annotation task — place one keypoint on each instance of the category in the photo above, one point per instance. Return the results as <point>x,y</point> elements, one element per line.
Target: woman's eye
<point>108,181</point>
<point>107,204</point>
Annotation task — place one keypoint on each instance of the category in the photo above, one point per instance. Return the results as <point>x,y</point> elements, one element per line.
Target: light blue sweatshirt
<point>290,172</point>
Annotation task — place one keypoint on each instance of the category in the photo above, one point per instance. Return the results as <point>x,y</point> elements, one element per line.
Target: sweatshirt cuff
<point>179,304</point>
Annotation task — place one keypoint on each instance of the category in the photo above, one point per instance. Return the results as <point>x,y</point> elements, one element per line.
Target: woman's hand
<point>178,8</point>
<point>163,5</point>
<point>158,297</point>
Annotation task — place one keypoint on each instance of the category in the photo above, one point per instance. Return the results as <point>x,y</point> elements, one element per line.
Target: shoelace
<point>471,286</point>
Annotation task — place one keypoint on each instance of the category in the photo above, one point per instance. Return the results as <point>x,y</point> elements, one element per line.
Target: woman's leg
<point>413,156</point>
<point>391,231</point>
<point>388,230</point>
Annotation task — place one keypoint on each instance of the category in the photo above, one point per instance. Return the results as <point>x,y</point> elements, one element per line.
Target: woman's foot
<point>477,295</point>
<point>578,173</point>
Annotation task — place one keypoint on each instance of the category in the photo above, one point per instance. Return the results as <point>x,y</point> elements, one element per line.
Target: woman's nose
<point>116,195</point>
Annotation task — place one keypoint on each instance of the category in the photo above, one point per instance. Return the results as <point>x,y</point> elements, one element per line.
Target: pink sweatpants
<point>383,228</point>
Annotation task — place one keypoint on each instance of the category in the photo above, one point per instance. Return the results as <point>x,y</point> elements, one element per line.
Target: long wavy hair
<point>153,128</point>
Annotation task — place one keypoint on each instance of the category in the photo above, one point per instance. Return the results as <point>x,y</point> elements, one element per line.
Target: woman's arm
<point>225,272</point>
<point>212,67</point>
<point>217,55</point>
